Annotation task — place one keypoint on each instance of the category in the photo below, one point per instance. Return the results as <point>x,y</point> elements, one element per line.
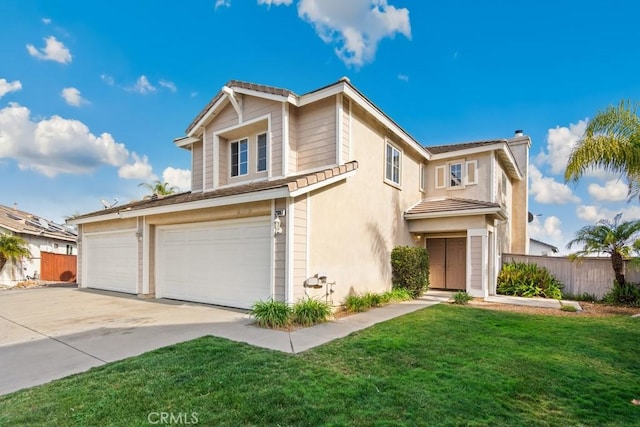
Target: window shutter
<point>472,172</point>
<point>440,176</point>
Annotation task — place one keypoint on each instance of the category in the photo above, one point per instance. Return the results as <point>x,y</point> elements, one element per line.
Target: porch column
<point>477,262</point>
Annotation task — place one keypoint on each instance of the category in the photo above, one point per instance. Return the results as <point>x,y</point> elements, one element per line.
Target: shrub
<point>461,297</point>
<point>356,304</point>
<point>272,314</point>
<point>373,300</point>
<point>410,268</point>
<point>528,280</point>
<point>627,294</point>
<point>310,311</point>
<point>398,295</point>
<point>585,296</point>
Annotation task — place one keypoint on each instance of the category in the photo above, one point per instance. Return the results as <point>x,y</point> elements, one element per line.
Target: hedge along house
<point>288,189</point>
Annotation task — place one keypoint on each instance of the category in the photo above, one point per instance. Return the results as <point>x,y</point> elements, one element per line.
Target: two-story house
<point>288,189</point>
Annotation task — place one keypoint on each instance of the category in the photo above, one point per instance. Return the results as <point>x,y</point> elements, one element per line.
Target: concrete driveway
<point>49,333</point>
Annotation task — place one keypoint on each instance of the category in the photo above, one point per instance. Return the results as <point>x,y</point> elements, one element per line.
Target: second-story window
<point>455,174</point>
<point>262,152</point>
<point>392,164</point>
<point>239,157</point>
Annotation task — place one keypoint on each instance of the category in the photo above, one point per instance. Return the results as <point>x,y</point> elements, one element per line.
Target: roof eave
<point>498,212</point>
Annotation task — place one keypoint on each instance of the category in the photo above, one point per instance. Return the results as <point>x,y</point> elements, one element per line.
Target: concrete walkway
<point>50,333</point>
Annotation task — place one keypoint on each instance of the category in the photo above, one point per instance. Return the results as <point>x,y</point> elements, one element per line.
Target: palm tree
<point>612,237</point>
<point>159,188</point>
<point>612,141</point>
<point>12,248</point>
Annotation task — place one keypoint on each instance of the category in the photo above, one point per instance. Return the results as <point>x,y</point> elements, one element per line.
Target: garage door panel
<point>223,262</point>
<point>111,261</point>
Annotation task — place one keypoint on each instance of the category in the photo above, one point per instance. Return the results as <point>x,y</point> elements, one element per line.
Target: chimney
<point>519,132</point>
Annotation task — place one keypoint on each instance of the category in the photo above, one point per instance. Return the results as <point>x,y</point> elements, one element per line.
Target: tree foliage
<point>159,188</point>
<point>618,239</point>
<point>12,248</point>
<point>611,141</point>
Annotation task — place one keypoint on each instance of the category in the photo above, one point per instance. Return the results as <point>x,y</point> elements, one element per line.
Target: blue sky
<point>92,94</point>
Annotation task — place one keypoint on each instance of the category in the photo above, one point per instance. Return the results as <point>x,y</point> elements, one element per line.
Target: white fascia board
<point>258,94</point>
<point>185,141</point>
<point>208,114</point>
<point>321,94</point>
<point>468,151</point>
<point>320,184</point>
<point>256,196</point>
<point>467,212</point>
<point>507,151</point>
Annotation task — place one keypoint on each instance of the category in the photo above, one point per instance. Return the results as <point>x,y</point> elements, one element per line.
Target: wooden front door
<point>448,263</point>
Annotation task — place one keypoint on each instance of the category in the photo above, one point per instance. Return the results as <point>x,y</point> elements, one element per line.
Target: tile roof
<point>436,205</point>
<point>239,84</point>
<point>22,222</point>
<point>438,149</point>
<point>292,183</point>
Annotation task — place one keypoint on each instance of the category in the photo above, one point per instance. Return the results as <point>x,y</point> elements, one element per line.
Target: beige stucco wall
<point>520,197</point>
<point>355,224</point>
<point>480,191</point>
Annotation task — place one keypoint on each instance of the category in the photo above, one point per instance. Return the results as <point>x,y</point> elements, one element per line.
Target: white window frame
<point>266,152</point>
<point>449,178</point>
<point>387,179</point>
<point>422,177</point>
<point>238,141</point>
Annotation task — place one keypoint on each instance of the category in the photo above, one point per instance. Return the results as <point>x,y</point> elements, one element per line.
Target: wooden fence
<point>58,267</point>
<point>591,275</point>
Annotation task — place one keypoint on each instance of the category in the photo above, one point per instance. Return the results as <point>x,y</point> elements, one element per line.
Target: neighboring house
<point>537,247</point>
<point>42,237</point>
<point>287,188</point>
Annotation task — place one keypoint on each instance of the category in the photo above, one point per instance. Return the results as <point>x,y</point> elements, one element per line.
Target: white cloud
<point>222,3</point>
<point>139,169</point>
<point>613,191</point>
<point>403,77</point>
<point>46,21</point>
<point>142,86</point>
<point>547,190</point>
<point>355,27</point>
<point>169,85</point>
<point>6,87</point>
<point>180,178</point>
<point>54,50</point>
<point>548,231</point>
<point>593,214</point>
<point>72,96</point>
<point>108,79</point>
<point>55,145</point>
<point>275,2</point>
<point>560,142</point>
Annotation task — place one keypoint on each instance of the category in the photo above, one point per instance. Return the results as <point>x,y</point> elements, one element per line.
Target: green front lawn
<point>444,365</point>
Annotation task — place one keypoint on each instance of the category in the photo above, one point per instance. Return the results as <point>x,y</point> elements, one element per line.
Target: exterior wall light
<point>277,226</point>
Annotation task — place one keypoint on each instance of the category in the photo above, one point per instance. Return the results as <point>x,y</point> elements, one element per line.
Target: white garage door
<point>110,261</point>
<point>222,262</point>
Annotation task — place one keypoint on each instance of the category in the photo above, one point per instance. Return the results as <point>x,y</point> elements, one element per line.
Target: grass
<point>445,365</point>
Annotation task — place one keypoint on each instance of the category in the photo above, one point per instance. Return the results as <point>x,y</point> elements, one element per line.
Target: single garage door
<point>110,261</point>
<point>222,262</point>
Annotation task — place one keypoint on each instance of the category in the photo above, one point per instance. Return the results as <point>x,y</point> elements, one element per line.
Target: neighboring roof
<point>22,222</point>
<point>291,186</point>
<point>439,149</point>
<point>554,249</point>
<point>451,206</point>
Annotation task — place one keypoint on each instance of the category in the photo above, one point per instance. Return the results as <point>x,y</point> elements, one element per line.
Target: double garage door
<point>222,262</point>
